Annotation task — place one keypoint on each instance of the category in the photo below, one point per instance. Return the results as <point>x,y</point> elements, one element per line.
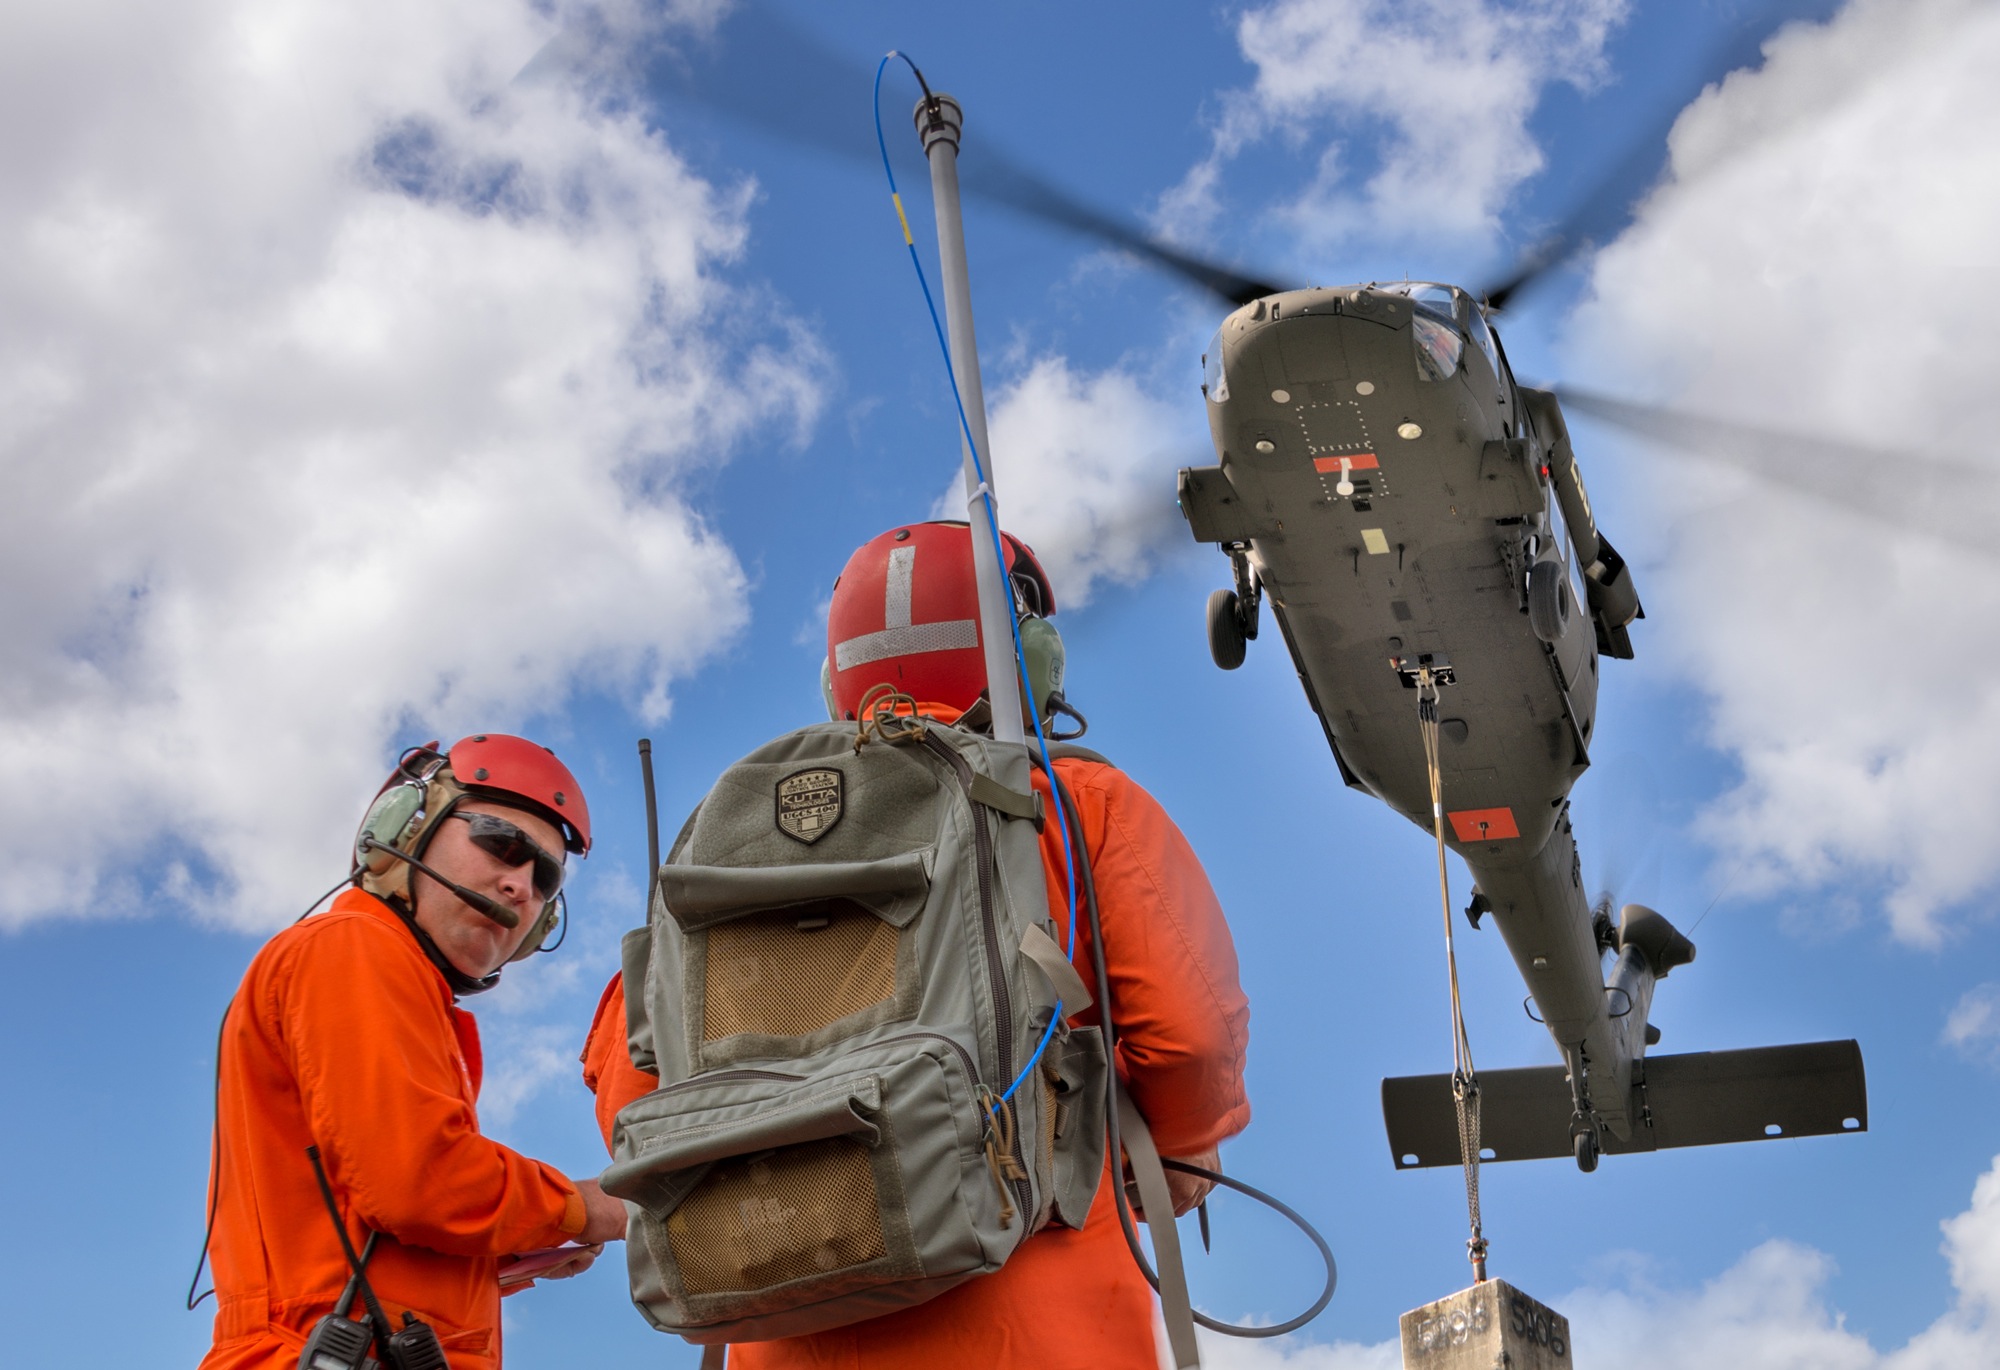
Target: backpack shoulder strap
<point>1150,1177</point>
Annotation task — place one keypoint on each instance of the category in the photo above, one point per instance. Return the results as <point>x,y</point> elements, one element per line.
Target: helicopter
<point>1415,520</point>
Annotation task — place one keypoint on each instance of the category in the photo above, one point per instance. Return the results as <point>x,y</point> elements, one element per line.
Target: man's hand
<point>575,1265</point>
<point>603,1216</point>
<point>1189,1190</point>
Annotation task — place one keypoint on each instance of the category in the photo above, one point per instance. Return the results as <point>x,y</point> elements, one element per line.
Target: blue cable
<point>999,552</point>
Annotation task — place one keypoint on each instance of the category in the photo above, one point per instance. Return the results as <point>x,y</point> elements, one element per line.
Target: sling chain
<point>1464,1078</point>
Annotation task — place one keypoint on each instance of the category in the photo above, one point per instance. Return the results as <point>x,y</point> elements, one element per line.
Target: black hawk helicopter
<point>1414,518</point>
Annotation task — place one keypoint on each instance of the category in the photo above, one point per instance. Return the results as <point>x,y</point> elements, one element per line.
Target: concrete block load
<point>1491,1326</point>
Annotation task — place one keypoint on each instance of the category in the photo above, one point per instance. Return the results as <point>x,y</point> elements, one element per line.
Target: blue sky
<point>356,392</point>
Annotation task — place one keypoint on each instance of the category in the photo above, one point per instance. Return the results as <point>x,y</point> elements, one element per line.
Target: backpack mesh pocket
<point>786,1215</point>
<point>797,970</point>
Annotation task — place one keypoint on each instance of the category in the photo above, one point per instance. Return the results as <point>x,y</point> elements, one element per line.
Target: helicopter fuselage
<point>1386,486</point>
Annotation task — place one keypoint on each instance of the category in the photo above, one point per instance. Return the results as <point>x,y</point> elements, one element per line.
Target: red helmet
<point>508,769</point>
<point>906,611</point>
<point>428,784</point>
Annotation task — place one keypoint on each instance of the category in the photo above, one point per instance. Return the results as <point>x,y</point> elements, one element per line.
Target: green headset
<point>404,817</point>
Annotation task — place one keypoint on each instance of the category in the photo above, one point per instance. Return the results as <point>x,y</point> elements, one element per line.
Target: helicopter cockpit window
<point>1483,335</point>
<point>1440,300</point>
<point>1439,346</point>
<point>1212,378</point>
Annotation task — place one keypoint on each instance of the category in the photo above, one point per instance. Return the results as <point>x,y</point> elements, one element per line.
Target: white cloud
<point>1294,1353</point>
<point>1085,466</point>
<point>1972,1244</point>
<point>523,1062</point>
<point>1832,273</point>
<point>344,392</point>
<point>1973,1025</point>
<point>1446,86</point>
<point>1767,1312</point>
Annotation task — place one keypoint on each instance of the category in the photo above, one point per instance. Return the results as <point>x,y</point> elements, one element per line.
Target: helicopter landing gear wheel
<point>1226,641</point>
<point>1586,1151</point>
<point>1550,604</point>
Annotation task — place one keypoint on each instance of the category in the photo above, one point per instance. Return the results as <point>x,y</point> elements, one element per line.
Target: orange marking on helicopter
<point>1356,461</point>
<point>1483,825</point>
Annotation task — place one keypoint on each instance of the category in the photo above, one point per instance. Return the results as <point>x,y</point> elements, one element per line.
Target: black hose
<point>215,1125</point>
<point>1278,1205</point>
<point>215,1163</point>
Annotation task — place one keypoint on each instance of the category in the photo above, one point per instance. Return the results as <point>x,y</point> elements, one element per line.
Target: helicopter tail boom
<point>1705,1098</point>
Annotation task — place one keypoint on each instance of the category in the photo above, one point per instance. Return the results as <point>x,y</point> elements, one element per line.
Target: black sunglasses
<point>511,847</point>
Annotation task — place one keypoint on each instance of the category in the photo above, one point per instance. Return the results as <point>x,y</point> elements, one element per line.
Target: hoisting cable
<point>1464,1078</point>
<point>1123,1204</point>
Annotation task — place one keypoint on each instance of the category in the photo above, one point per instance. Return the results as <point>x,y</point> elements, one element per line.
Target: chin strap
<point>461,983</point>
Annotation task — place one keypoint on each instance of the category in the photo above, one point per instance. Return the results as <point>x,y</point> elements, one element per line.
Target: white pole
<point>939,121</point>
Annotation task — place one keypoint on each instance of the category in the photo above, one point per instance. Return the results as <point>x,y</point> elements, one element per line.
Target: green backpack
<point>848,986</point>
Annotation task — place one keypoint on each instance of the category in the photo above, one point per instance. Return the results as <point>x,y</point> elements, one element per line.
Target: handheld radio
<point>337,1342</point>
<point>340,1344</point>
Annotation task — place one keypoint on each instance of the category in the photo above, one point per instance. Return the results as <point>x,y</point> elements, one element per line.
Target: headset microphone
<point>498,912</point>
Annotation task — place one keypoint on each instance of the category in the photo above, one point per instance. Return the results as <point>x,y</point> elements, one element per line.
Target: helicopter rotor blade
<point>1937,496</point>
<point>1601,210</point>
<point>994,176</point>
<point>785,83</point>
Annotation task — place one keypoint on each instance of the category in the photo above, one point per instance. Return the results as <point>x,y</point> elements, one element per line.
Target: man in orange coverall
<point>1067,1298</point>
<point>345,1035</point>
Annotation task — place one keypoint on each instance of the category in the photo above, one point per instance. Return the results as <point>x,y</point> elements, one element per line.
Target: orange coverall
<point>344,1036</point>
<point>1067,1298</point>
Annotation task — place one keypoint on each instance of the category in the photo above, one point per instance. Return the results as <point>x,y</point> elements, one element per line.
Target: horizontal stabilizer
<point>1699,1099</point>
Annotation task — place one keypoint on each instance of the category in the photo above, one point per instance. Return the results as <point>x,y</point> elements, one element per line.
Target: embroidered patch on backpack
<point>809,804</point>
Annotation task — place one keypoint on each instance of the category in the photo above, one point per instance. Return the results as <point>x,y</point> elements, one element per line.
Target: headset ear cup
<point>388,822</point>
<point>405,816</point>
<point>1042,652</point>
